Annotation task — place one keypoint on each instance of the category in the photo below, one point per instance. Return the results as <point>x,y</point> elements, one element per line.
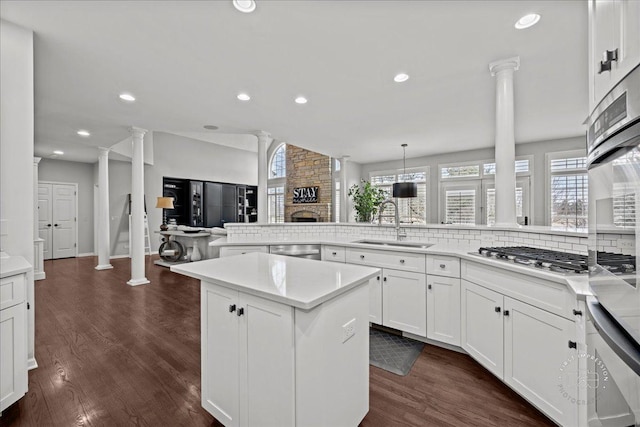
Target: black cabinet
<point>210,204</point>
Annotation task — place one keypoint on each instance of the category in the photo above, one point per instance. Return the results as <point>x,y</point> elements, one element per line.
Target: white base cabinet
<point>13,339</point>
<point>524,346</point>
<point>375,300</point>
<point>443,309</point>
<point>266,363</point>
<point>404,301</point>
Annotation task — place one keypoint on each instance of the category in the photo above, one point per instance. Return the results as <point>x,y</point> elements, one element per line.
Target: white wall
<point>537,149</point>
<point>78,173</point>
<point>16,151</point>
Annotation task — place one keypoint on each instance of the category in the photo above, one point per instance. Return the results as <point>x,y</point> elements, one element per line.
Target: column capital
<point>509,64</point>
<point>135,131</point>
<point>36,160</point>
<point>264,136</point>
<point>104,151</point>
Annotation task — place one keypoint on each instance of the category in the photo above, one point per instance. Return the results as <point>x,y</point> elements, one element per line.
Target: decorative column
<point>38,243</point>
<point>137,209</point>
<point>103,210</point>
<point>344,197</point>
<point>264,139</point>
<point>505,141</point>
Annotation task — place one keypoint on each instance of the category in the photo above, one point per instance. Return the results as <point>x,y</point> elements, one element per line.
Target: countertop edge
<point>14,265</point>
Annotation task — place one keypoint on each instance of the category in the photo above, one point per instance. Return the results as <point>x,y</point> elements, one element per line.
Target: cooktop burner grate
<point>561,261</point>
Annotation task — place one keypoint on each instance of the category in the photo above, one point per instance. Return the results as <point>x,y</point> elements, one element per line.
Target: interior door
<point>64,221</point>
<point>45,220</point>
<point>523,201</point>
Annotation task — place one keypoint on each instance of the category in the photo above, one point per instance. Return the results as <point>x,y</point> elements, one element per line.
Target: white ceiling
<point>186,61</point>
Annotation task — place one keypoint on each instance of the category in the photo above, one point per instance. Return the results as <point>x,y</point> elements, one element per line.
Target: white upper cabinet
<point>614,44</point>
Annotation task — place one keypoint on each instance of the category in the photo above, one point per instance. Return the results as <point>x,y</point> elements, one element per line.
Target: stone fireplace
<point>308,169</point>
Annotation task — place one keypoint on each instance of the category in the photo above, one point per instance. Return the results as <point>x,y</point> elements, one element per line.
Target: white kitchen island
<point>285,341</point>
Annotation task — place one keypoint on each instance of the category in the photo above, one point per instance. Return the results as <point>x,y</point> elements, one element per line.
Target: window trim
<point>549,157</point>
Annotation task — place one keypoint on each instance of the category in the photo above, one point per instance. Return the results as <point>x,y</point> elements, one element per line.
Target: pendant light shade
<point>405,190</point>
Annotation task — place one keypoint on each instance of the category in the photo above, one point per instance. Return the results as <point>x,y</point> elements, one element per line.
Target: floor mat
<point>391,352</point>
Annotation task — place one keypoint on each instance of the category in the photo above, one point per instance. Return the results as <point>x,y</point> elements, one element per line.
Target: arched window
<point>278,166</point>
<point>276,184</point>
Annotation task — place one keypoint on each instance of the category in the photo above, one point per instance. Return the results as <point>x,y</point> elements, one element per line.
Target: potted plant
<point>366,200</point>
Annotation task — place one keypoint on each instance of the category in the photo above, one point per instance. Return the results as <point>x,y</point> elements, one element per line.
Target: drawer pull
<point>384,279</point>
<point>232,308</point>
<point>428,286</point>
<point>378,278</point>
<point>361,256</point>
<point>401,261</point>
<point>497,309</point>
<point>573,344</point>
<point>443,266</point>
<point>506,312</point>
<point>240,311</point>
<point>334,253</point>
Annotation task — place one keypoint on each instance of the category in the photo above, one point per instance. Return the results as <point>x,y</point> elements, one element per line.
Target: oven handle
<point>623,345</point>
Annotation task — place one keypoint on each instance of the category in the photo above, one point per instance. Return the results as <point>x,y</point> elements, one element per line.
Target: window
<point>460,206</point>
<point>275,200</point>
<point>568,190</point>
<point>411,210</point>
<point>278,166</point>
<point>276,184</point>
<point>467,192</point>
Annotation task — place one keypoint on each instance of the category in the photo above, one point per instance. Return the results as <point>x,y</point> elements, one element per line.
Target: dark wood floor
<point>112,355</point>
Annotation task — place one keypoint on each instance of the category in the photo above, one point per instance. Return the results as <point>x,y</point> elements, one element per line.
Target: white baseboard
<point>39,275</point>
<point>119,256</point>
<point>31,363</point>
<point>86,254</point>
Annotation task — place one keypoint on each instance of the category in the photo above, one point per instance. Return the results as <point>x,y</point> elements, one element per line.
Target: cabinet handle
<point>573,344</point>
<point>577,312</point>
<point>497,309</point>
<point>232,308</point>
<point>55,225</point>
<point>240,311</point>
<point>401,261</point>
<point>609,56</point>
<point>361,256</point>
<point>378,278</point>
<point>48,225</point>
<point>428,286</point>
<point>443,266</point>
<point>384,279</point>
<point>334,253</point>
<point>506,312</point>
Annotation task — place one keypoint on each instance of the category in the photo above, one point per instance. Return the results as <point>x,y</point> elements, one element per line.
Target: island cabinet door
<point>404,301</point>
<point>220,351</point>
<point>539,362</point>
<point>482,326</point>
<point>267,363</point>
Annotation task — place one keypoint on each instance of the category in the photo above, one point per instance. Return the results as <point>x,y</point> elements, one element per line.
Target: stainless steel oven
<point>613,327</point>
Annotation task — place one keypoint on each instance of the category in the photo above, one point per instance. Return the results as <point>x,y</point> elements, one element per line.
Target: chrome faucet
<point>400,234</point>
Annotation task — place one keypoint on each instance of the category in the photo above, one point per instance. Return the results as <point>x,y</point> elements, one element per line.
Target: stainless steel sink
<point>417,245</point>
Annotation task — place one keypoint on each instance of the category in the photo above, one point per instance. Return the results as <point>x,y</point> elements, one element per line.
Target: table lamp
<point>164,203</point>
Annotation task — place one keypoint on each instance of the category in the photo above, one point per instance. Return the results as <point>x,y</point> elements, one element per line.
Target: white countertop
<point>13,265</point>
<point>577,283</point>
<point>297,282</point>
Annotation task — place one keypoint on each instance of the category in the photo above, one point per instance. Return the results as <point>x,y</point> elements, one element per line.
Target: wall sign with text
<point>305,195</point>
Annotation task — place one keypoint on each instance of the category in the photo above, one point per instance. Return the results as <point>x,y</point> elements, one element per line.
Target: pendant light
<point>405,189</point>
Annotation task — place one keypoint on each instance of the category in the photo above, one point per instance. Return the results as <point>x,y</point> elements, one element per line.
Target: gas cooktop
<point>560,262</point>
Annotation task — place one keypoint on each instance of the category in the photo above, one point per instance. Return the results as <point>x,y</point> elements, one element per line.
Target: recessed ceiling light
<point>84,133</point>
<point>211,127</point>
<point>58,152</point>
<point>301,100</point>
<point>402,77</point>
<point>245,6</point>
<point>527,21</point>
<point>127,97</point>
<point>243,97</point>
